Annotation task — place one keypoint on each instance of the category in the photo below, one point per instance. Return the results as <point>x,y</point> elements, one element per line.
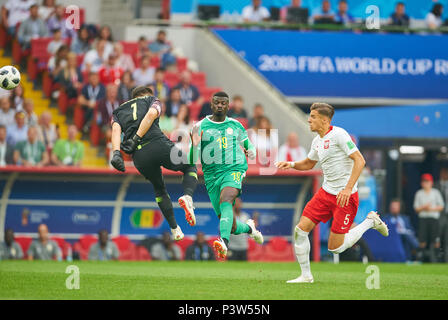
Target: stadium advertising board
<point>312,64</point>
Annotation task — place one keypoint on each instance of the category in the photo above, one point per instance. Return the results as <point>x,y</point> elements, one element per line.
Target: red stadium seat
<point>83,245</point>
<point>63,245</point>
<point>127,249</point>
<point>39,57</point>
<point>181,64</point>
<point>207,93</point>
<point>171,79</point>
<point>255,251</point>
<point>184,244</point>
<point>5,38</point>
<point>78,117</point>
<point>279,249</point>
<point>195,109</point>
<point>142,254</point>
<point>155,61</point>
<point>131,48</point>
<point>244,122</point>
<point>25,243</point>
<point>199,79</point>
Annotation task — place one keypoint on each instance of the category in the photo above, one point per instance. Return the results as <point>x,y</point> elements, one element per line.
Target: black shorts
<point>428,230</point>
<point>157,153</point>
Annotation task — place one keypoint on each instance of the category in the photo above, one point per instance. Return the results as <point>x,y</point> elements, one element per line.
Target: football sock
<point>166,206</point>
<point>189,182</point>
<point>226,221</point>
<point>302,250</point>
<point>242,228</point>
<point>354,235</point>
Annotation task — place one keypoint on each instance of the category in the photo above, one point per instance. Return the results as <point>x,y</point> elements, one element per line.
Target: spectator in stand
<point>161,88</point>
<point>14,12</point>
<point>166,123</point>
<point>188,92</point>
<point>43,248</point>
<point>124,60</point>
<point>95,58</point>
<point>238,244</point>
<point>105,34</point>
<point>428,203</point>
<point>105,108</point>
<point>10,249</point>
<point>284,10</point>
<point>126,86</point>
<point>434,17</point>
<point>58,61</point>
<point>81,42</point>
<point>47,131</point>
<point>70,77</point>
<point>31,152</point>
<point>324,14</point>
<point>6,150</point>
<point>206,110</point>
<point>163,49</point>
<point>59,22</point>
<point>403,227</point>
<point>399,17</point>
<point>144,75</point>
<point>258,113</point>
<point>292,150</point>
<point>255,12</point>
<point>265,139</point>
<point>110,72</point>
<point>237,108</point>
<point>31,119</point>
<point>70,151</point>
<point>342,16</point>
<point>91,93</point>
<point>104,249</point>
<point>166,250</point>
<point>6,113</point>
<point>31,28</point>
<point>47,9</point>
<point>199,250</point>
<point>143,48</point>
<point>17,97</point>
<point>17,131</point>
<point>56,43</point>
<point>174,103</point>
<point>443,221</point>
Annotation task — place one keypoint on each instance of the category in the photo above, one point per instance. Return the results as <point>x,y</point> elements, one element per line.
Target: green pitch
<point>214,280</point>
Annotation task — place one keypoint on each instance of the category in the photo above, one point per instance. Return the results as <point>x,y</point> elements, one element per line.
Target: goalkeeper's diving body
<point>342,164</point>
<point>218,141</point>
<point>138,120</point>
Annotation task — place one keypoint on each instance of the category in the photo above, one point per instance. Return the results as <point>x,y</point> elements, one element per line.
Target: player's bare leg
<point>302,250</point>
<point>338,243</point>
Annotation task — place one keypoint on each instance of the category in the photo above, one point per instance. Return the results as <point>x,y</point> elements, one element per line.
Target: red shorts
<point>323,206</point>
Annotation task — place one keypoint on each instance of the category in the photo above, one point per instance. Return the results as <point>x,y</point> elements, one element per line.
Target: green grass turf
<point>218,280</point>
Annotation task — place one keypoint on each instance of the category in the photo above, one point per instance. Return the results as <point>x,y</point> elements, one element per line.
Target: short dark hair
<point>141,91</point>
<point>323,109</point>
<point>221,94</point>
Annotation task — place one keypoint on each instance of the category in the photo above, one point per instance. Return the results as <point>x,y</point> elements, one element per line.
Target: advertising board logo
<point>146,219</point>
<point>86,217</point>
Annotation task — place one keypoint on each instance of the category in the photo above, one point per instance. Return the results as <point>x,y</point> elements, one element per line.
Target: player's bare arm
<point>117,160</point>
<point>306,164</point>
<point>343,197</point>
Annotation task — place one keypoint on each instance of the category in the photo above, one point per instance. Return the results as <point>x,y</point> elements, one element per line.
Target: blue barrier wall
<point>414,8</point>
<point>72,205</point>
<point>343,64</point>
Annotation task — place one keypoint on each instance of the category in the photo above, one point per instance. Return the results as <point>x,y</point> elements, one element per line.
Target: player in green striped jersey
<point>219,141</point>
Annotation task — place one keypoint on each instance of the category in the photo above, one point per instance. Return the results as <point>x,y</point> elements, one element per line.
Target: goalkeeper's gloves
<point>130,145</point>
<point>117,161</point>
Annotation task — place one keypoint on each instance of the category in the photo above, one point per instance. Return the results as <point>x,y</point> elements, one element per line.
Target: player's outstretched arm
<point>250,149</point>
<point>195,144</point>
<point>306,164</point>
<point>343,197</point>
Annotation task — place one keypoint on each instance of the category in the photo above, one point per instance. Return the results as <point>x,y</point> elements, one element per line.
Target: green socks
<point>226,221</point>
<point>241,227</point>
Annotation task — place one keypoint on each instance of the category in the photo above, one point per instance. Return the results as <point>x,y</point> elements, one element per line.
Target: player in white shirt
<point>342,164</point>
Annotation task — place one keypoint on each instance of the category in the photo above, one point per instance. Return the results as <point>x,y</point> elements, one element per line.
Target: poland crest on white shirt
<point>333,151</point>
